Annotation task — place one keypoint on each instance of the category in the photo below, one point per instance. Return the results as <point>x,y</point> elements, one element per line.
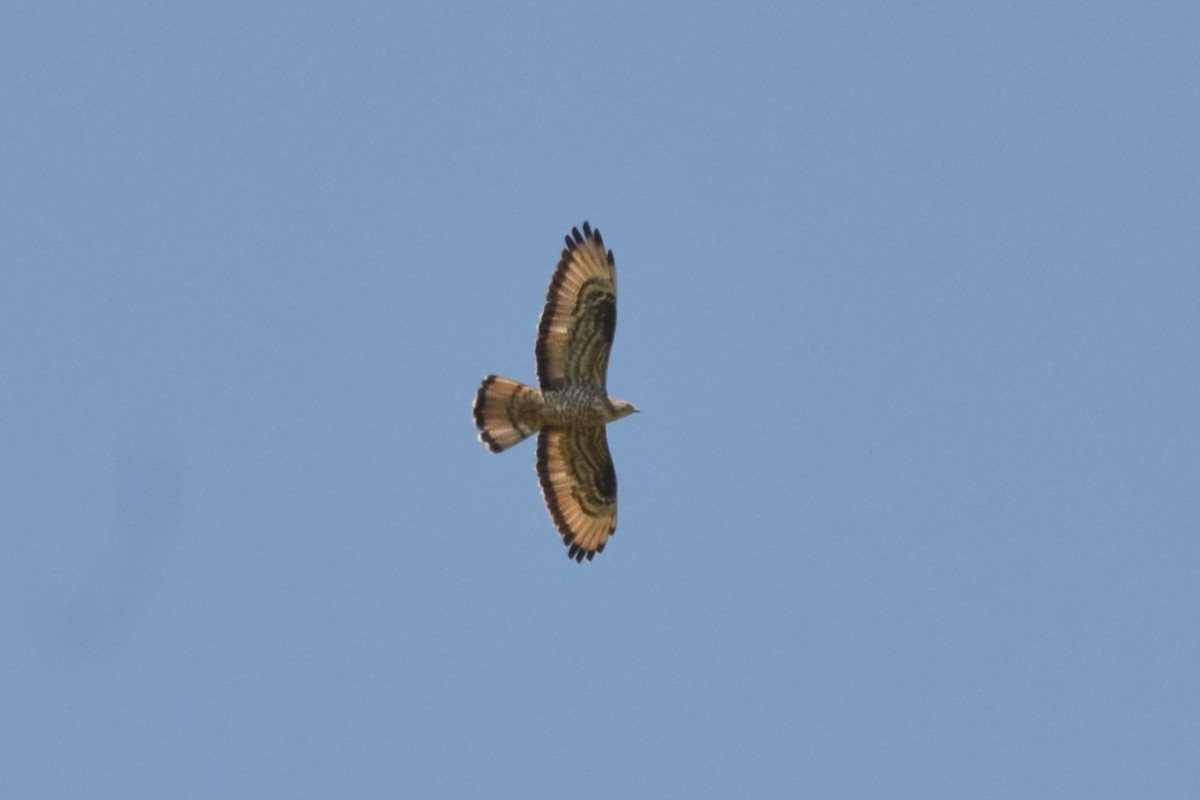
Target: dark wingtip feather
<point>578,554</point>
<point>594,234</point>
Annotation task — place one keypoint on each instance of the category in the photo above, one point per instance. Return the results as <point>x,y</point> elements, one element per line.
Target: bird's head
<point>622,408</point>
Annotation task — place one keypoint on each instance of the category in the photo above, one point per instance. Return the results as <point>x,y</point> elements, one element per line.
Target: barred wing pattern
<point>572,406</point>
<point>575,334</point>
<point>580,487</point>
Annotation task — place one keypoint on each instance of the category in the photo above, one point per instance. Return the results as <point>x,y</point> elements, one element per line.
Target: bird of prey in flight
<point>572,406</point>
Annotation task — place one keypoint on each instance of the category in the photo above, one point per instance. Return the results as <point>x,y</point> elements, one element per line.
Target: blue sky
<point>908,302</point>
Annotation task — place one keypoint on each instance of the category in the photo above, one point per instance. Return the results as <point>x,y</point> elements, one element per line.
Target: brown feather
<point>576,331</point>
<point>579,485</point>
<point>506,412</point>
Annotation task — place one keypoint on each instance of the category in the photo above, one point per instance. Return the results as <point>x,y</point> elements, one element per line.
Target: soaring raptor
<point>572,406</point>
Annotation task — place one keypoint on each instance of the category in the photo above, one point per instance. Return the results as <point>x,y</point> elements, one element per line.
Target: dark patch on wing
<point>583,506</point>
<point>579,319</point>
<point>592,335</point>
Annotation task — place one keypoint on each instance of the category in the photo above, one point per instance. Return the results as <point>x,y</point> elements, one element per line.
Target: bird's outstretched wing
<point>580,486</point>
<point>580,317</point>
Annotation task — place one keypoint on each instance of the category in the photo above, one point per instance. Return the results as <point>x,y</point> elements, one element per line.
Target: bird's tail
<point>506,412</point>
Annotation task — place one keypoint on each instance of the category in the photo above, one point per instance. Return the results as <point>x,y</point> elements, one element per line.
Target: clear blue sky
<point>909,304</point>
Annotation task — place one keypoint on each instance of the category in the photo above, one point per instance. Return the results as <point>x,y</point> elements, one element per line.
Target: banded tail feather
<point>506,412</point>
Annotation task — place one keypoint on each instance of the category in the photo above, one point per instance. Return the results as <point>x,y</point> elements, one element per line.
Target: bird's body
<point>581,405</point>
<point>572,406</point>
